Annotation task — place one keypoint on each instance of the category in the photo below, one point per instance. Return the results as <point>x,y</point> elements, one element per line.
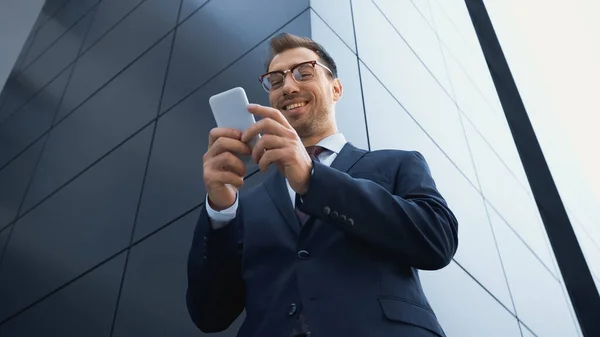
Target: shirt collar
<point>333,143</point>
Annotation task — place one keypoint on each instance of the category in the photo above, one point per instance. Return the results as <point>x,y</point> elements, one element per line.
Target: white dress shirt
<point>332,145</point>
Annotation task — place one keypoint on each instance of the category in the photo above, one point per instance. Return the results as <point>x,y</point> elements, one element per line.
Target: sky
<point>553,49</point>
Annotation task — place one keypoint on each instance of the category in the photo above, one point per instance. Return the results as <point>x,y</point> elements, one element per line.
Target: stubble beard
<point>311,125</point>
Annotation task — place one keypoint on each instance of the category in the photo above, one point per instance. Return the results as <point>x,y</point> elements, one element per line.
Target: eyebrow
<point>292,66</point>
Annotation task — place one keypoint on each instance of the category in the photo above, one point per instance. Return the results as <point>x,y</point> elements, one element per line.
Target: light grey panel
<point>424,10</point>
<point>101,123</point>
<point>13,182</point>
<point>526,332</point>
<point>338,16</point>
<point>391,127</point>
<point>419,35</point>
<point>410,83</point>
<point>84,308</point>
<point>464,308</point>
<point>502,190</point>
<point>463,46</point>
<point>80,226</point>
<point>349,110</point>
<point>493,125</point>
<point>537,294</point>
<point>590,250</point>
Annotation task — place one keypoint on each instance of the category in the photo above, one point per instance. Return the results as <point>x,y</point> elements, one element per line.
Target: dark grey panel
<point>24,51</point>
<point>3,239</point>
<point>127,41</point>
<point>31,121</point>
<point>108,14</point>
<point>152,303</point>
<point>108,118</point>
<point>16,91</point>
<point>58,25</point>
<point>217,35</point>
<point>55,60</point>
<point>51,7</point>
<point>189,6</point>
<point>84,308</point>
<point>77,228</point>
<point>174,181</point>
<point>13,181</point>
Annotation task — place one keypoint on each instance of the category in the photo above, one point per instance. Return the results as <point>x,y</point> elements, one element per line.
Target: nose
<point>289,84</point>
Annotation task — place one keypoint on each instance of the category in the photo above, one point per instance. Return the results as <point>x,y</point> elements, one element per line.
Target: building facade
<point>105,118</point>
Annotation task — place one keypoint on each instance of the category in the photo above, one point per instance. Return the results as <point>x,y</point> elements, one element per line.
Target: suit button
<point>303,255</point>
<point>326,210</point>
<point>343,218</point>
<point>350,222</point>
<point>293,309</point>
<point>334,215</point>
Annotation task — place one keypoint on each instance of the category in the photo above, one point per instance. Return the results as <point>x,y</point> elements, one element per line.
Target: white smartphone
<point>230,109</point>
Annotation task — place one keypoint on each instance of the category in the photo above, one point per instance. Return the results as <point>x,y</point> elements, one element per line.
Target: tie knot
<point>314,151</point>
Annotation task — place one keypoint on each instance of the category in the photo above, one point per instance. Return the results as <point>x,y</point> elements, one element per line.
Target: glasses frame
<point>284,73</point>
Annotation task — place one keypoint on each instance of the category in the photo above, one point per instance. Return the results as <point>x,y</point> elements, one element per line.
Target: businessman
<point>331,243</point>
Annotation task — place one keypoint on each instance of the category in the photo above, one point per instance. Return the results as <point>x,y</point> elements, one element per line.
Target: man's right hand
<point>223,170</point>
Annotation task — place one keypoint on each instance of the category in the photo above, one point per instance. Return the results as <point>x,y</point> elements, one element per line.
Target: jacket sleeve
<point>413,224</point>
<point>215,293</point>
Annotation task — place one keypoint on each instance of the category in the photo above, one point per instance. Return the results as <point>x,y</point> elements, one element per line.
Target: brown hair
<point>285,41</point>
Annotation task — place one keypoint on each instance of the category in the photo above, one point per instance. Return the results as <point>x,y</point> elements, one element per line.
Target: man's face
<point>308,106</point>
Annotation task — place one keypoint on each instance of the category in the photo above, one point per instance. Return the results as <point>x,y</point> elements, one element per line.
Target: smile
<point>294,106</point>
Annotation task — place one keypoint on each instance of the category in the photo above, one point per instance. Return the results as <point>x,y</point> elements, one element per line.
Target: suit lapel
<point>344,161</point>
<point>347,157</point>
<point>278,192</point>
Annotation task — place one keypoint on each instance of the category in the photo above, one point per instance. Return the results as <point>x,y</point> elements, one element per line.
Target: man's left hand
<point>279,144</point>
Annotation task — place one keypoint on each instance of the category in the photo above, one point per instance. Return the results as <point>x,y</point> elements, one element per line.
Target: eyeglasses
<point>301,73</point>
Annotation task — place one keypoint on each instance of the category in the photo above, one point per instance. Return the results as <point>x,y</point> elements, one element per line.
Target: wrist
<point>218,206</point>
<point>309,174</point>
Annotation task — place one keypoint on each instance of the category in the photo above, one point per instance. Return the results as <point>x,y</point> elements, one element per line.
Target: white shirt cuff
<point>219,219</point>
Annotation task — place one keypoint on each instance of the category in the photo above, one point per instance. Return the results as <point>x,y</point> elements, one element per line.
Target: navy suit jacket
<point>376,218</point>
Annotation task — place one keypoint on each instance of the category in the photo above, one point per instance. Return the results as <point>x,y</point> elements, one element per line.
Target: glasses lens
<point>272,81</point>
<point>304,72</point>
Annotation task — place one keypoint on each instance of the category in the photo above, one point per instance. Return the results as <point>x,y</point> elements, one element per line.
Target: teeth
<point>294,106</point>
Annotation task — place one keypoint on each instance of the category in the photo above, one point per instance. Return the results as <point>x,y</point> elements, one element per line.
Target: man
<point>330,244</point>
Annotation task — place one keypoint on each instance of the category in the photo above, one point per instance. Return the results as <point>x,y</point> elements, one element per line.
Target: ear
<point>337,89</point>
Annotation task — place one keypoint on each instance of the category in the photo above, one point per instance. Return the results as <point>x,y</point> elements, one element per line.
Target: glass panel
<point>410,83</point>
<point>391,127</point>
<point>537,294</point>
<point>464,308</point>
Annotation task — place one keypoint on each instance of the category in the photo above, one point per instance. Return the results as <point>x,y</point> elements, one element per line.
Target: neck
<point>314,139</point>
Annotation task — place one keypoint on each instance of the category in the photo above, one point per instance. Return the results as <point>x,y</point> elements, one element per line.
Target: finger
<point>271,156</point>
<point>267,142</point>
<point>227,161</point>
<point>267,126</point>
<point>226,177</point>
<point>224,144</point>
<point>216,133</point>
<point>268,112</point>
